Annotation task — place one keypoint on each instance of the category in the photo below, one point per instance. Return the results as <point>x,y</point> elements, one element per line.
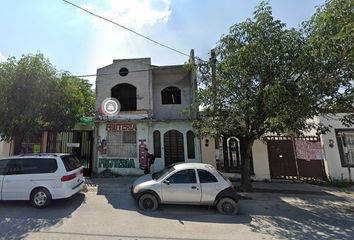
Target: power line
<point>116,73</point>
<point>130,30</point>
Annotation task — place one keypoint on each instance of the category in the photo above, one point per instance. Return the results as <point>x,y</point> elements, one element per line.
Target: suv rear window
<point>71,162</point>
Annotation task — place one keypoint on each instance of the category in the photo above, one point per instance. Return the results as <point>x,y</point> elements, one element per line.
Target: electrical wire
<point>116,73</point>
<point>128,29</point>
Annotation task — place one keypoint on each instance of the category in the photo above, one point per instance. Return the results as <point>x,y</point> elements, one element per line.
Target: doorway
<point>79,143</point>
<point>173,147</point>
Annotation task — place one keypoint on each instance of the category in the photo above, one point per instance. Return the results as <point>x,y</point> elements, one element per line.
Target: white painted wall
<point>331,154</point>
<point>5,149</point>
<point>102,134</point>
<point>181,126</point>
<point>259,154</point>
<point>260,160</point>
<point>145,131</point>
<point>208,151</point>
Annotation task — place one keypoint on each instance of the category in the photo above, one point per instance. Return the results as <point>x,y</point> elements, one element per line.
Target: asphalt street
<point>107,211</point>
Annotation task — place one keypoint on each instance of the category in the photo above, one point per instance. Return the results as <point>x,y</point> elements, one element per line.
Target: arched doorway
<point>173,147</point>
<point>231,149</point>
<point>234,148</point>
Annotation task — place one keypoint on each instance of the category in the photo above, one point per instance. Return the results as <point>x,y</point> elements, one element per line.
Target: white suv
<point>40,177</point>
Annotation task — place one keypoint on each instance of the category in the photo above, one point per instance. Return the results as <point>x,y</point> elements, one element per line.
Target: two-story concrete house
<point>151,101</point>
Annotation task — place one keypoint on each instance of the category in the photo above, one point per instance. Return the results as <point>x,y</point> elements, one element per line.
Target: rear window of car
<point>223,176</point>
<point>206,177</point>
<point>71,162</point>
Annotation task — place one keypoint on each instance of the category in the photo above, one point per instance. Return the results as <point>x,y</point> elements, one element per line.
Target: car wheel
<point>41,198</point>
<point>227,206</point>
<point>148,202</point>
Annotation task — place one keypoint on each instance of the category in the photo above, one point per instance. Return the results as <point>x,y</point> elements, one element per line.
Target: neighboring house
<point>338,147</point>
<point>330,155</point>
<point>151,99</point>
<point>6,148</point>
<point>78,141</point>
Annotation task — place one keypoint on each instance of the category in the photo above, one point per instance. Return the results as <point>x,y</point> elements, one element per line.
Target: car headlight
<point>136,189</point>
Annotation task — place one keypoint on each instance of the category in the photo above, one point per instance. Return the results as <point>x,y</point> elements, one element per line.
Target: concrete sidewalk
<point>119,185</point>
<point>288,187</point>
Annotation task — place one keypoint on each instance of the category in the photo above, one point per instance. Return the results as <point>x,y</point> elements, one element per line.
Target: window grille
<point>345,140</point>
<point>121,144</point>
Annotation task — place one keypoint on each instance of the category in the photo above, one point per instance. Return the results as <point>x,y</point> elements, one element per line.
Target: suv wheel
<point>227,206</point>
<point>148,202</point>
<point>41,198</point>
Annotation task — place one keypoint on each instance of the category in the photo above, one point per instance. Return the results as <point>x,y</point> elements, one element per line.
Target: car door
<point>181,187</point>
<point>16,184</point>
<point>210,186</point>
<point>3,164</point>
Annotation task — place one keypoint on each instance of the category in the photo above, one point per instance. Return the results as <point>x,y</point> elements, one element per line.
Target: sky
<point>80,43</point>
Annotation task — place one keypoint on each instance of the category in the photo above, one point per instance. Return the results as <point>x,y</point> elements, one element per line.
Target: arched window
<point>190,144</point>
<point>157,143</point>
<point>126,95</point>
<point>171,95</point>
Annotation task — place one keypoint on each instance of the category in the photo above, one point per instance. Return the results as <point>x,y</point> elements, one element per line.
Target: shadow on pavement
<point>117,193</point>
<point>301,216</point>
<point>17,218</point>
<point>280,215</point>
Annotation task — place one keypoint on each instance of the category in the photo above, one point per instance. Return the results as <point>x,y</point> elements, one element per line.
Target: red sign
<point>142,153</point>
<point>116,127</point>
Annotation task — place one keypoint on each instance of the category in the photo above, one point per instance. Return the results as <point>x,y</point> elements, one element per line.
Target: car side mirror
<point>166,182</point>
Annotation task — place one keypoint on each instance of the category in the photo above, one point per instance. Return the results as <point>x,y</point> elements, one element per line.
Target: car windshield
<point>161,174</point>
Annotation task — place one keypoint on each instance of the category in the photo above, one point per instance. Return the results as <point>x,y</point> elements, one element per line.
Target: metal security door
<point>173,147</point>
<point>78,142</point>
<point>282,162</point>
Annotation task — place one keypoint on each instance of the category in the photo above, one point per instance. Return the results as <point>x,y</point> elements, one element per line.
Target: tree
<point>330,43</point>
<point>36,97</point>
<point>265,83</point>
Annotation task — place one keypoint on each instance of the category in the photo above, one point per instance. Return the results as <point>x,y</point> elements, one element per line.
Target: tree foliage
<point>35,97</point>
<point>330,44</point>
<point>270,80</point>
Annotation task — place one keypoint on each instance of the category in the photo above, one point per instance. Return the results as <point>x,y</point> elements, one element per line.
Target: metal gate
<point>174,147</point>
<point>230,152</point>
<point>79,143</point>
<point>284,164</point>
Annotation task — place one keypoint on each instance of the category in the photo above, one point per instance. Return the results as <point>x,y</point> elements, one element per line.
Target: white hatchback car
<point>186,183</point>
<point>40,177</point>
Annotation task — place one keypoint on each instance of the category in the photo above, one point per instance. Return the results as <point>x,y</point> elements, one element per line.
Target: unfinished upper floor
<point>145,91</point>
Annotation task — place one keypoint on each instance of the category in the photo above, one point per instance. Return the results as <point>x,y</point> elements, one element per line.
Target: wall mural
<point>102,148</point>
<point>115,163</point>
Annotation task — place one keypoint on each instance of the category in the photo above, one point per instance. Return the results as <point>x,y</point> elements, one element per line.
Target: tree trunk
<point>246,185</point>
<point>18,143</point>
